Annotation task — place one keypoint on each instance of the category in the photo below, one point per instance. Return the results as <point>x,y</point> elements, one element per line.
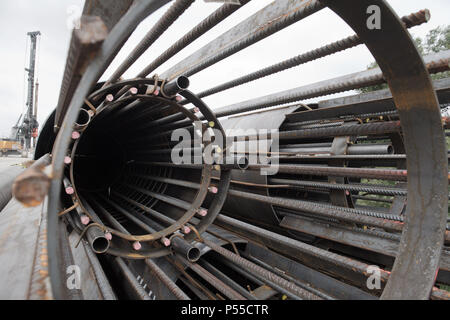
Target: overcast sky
<point>17,17</point>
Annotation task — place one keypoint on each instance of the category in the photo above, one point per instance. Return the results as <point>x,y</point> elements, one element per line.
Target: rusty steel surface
<point>31,187</point>
<point>361,104</point>
<point>265,22</point>
<point>85,43</point>
<point>435,62</point>
<point>110,11</point>
<point>411,20</point>
<point>23,250</point>
<point>360,181</point>
<point>110,47</point>
<point>415,267</point>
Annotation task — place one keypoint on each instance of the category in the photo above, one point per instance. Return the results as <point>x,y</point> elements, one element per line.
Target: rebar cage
<point>361,181</point>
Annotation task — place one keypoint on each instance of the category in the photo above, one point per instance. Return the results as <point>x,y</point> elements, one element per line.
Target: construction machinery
<point>25,132</point>
<point>29,128</point>
<point>10,146</point>
<point>360,186</point>
<point>13,144</point>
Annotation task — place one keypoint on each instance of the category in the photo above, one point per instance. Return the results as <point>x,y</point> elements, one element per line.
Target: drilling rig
<point>23,132</point>
<point>30,125</point>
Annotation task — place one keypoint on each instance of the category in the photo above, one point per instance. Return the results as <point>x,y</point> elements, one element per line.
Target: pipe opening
<point>183,82</point>
<point>390,149</point>
<point>243,163</point>
<point>83,119</point>
<point>100,245</point>
<point>99,160</point>
<point>193,254</point>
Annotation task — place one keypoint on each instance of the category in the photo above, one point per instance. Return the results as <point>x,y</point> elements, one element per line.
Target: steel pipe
<point>97,239</point>
<point>184,248</point>
<point>175,86</point>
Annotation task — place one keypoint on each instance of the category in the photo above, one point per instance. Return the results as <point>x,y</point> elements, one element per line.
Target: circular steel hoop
<point>417,261</point>
<point>198,199</point>
<point>110,48</point>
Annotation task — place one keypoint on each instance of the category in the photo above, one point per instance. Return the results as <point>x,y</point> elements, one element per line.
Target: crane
<point>22,133</point>
<point>29,126</point>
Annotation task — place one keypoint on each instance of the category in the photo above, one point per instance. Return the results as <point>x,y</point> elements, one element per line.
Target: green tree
<point>436,40</point>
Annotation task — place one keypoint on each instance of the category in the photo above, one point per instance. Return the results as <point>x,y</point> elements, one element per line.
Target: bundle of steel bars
<point>340,188</point>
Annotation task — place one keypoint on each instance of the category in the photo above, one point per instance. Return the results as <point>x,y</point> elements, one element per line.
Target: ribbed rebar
<point>212,20</point>
<point>416,18</point>
<point>435,63</point>
<point>302,248</point>
<point>288,19</point>
<point>214,281</point>
<point>288,277</point>
<point>327,88</point>
<point>341,213</point>
<point>100,276</point>
<point>163,218</point>
<point>257,279</point>
<point>377,233</point>
<point>411,20</point>
<point>309,56</point>
<point>339,131</point>
<point>131,279</point>
<point>236,286</point>
<point>170,285</point>
<point>350,187</point>
<point>369,173</point>
<point>159,28</point>
<point>261,271</point>
<point>333,122</point>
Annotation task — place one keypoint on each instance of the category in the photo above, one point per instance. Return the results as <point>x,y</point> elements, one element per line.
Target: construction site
<point>138,185</point>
